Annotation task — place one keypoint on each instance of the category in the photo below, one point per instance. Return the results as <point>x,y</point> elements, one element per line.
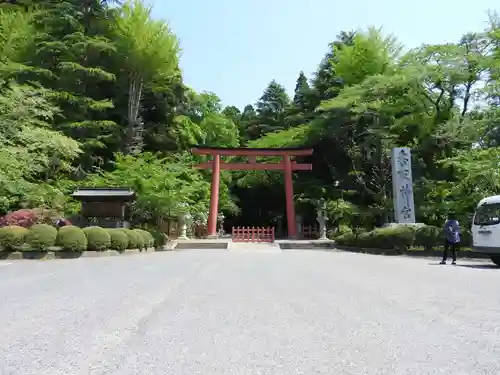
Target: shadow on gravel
<point>477,266</point>
<point>480,266</point>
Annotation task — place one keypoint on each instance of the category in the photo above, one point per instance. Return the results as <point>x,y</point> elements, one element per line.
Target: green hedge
<point>41,237</point>
<point>428,236</point>
<point>12,236</point>
<point>147,237</point>
<point>159,238</point>
<point>135,239</point>
<point>119,239</point>
<point>71,238</point>
<point>400,238</point>
<point>392,238</point>
<point>98,238</point>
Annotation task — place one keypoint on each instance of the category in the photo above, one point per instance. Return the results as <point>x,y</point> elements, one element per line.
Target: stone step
<point>190,245</point>
<point>304,245</point>
<point>254,246</point>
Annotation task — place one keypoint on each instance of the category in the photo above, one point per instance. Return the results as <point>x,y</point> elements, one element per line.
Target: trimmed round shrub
<point>342,229</point>
<point>147,238</point>
<point>151,242</point>
<point>119,239</point>
<point>398,238</point>
<point>392,238</point>
<point>41,237</point>
<point>12,236</point>
<point>159,238</point>
<point>428,237</point>
<point>71,238</point>
<point>366,239</point>
<point>135,239</point>
<point>346,239</point>
<point>98,238</point>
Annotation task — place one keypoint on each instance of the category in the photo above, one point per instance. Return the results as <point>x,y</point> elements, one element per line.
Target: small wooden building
<point>106,207</point>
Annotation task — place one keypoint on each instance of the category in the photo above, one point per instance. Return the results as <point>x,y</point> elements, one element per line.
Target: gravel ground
<point>243,312</point>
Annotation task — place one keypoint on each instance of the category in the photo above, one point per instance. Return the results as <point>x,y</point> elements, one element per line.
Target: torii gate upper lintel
<point>287,165</point>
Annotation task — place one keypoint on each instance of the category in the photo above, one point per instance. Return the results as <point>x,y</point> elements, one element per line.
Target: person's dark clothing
<point>452,231</point>
<point>60,223</point>
<point>451,239</point>
<point>450,246</point>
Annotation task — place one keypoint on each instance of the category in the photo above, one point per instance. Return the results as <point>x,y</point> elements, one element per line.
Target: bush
<point>135,239</point>
<point>346,239</point>
<point>28,217</point>
<point>342,229</point>
<point>428,237</point>
<point>148,239</point>
<point>24,218</point>
<point>368,239</point>
<point>41,237</point>
<point>98,238</point>
<point>160,238</point>
<point>398,238</point>
<point>72,238</point>
<point>119,239</point>
<point>12,236</point>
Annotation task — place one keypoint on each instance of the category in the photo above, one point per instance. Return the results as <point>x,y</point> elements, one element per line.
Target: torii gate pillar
<point>287,165</point>
<point>214,196</point>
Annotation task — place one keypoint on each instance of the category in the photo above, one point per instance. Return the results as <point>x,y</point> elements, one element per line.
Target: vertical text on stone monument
<point>402,183</point>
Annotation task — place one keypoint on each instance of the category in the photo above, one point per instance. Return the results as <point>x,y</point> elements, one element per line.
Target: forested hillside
<point>91,94</point>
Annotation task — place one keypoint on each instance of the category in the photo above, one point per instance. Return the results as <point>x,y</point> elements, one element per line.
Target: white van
<point>486,228</point>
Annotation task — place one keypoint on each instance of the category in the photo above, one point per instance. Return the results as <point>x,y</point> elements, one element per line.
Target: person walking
<point>451,238</point>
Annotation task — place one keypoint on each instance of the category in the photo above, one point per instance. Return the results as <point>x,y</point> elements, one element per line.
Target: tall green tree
<point>301,93</point>
<point>150,54</point>
<point>71,58</point>
<point>270,110</point>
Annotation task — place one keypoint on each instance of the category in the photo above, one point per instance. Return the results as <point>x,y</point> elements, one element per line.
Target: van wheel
<point>495,259</point>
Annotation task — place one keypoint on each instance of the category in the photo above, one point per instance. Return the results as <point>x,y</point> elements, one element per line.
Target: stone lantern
<point>183,219</point>
<point>322,218</point>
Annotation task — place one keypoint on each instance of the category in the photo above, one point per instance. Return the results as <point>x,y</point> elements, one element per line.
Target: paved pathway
<point>223,312</point>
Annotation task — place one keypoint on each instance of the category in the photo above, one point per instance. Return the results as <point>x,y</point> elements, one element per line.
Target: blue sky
<point>235,47</point>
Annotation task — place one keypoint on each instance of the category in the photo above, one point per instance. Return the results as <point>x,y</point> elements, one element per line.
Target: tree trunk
<point>134,129</point>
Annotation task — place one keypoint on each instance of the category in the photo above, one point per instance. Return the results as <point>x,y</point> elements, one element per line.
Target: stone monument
<point>402,185</point>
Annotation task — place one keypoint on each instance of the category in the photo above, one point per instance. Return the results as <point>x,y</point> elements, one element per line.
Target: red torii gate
<point>287,165</point>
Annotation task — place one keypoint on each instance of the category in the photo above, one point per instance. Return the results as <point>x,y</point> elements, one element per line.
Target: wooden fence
<point>253,234</point>
<point>309,231</point>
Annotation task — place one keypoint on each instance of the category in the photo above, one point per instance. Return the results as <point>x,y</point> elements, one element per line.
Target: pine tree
<point>72,56</point>
<point>302,92</point>
<point>270,110</point>
<point>248,114</point>
<point>233,113</point>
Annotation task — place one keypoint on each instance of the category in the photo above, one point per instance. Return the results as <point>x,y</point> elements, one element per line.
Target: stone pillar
<point>402,185</point>
<point>322,218</point>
